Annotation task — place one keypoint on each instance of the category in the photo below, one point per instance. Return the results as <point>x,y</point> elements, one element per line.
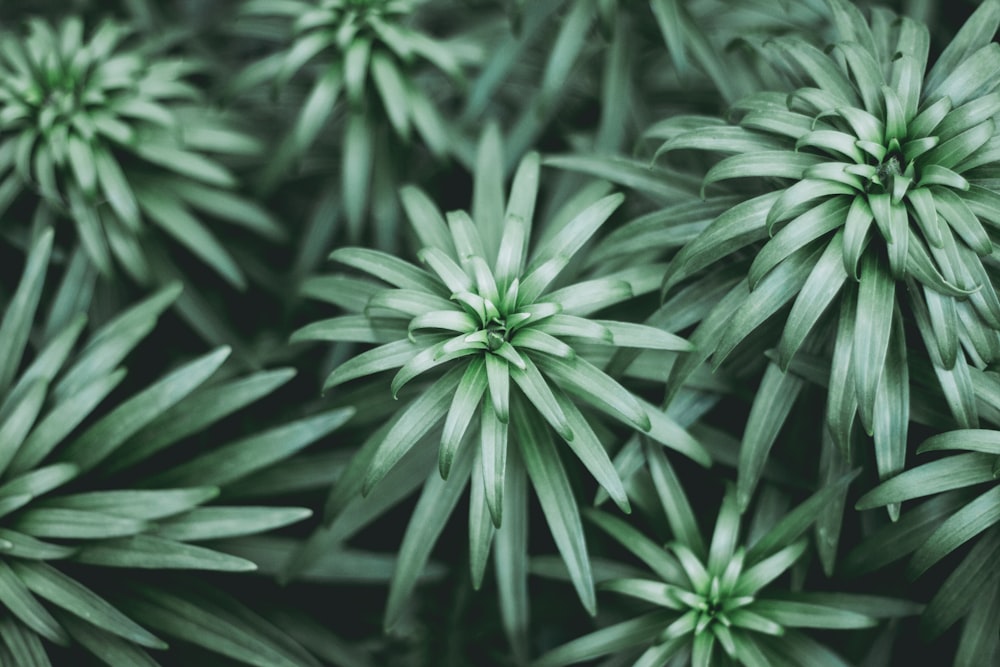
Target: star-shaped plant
<point>966,508</point>
<point>500,353</point>
<point>106,133</point>
<point>77,496</point>
<point>716,604</point>
<point>881,192</point>
<point>366,51</point>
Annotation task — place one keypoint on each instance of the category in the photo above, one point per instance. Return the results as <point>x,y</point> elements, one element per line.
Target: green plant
<point>879,174</point>
<point>75,498</point>
<point>112,136</point>
<point>713,604</point>
<point>484,312</point>
<point>763,271</point>
<point>936,529</point>
<point>364,51</point>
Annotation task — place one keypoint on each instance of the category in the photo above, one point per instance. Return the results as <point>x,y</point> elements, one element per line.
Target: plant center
<point>496,334</point>
<point>891,166</point>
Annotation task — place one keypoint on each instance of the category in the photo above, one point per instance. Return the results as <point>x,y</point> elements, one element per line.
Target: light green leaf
<point>802,230</point>
<point>673,500</point>
<point>81,159</point>
<point>487,197</point>
<point>591,452</point>
<point>774,290</point>
<point>382,358</point>
<point>357,328</point>
<point>628,173</point>
<point>116,188</point>
<point>154,552</point>
<point>422,414</point>
<point>498,379</point>
<point>577,232</point>
<point>761,164</point>
<point>802,196</point>
<point>357,160</point>
<point>431,357</point>
<point>227,630</point>
<point>972,440</point>
<point>229,462</point>
<point>753,579</point>
<point>627,334</point>
<point>892,405</point>
<point>510,558</point>
<point>75,524</point>
<point>588,383</point>
<point>22,604</point>
<point>481,527</point>
<point>953,472</point>
<point>811,64</point>
<point>20,312</point>
<point>212,523</point>
<point>961,589</point>
<point>108,434</point>
<point>951,153</point>
<point>135,504</point>
<point>820,289</point>
<point>536,389</point>
<point>426,220</point>
<point>726,534</point>
<point>977,516</point>
<point>436,503</point>
<point>792,614</point>
<point>464,404</point>
<point>738,227</point>
<point>493,462</point>
<point>393,90</point>
<point>612,639</point>
<point>558,503</point>
<point>47,582</point>
<point>873,325</point>
<point>176,220</point>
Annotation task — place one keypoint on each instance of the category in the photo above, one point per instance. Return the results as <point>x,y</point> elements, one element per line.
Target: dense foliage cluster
<point>677,318</point>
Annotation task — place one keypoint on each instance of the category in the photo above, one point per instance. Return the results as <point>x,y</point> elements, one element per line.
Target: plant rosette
<point>884,211</point>
<point>495,345</point>
<point>113,136</point>
<point>719,603</point>
<point>367,52</point>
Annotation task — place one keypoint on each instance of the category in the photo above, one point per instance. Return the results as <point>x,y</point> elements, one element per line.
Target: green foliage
<point>69,496</point>
<point>114,136</point>
<point>655,254</point>
<point>709,603</point>
<point>483,319</point>
<point>367,53</point>
<point>888,172</point>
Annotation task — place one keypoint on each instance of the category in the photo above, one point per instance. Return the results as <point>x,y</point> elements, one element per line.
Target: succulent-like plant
<point>78,497</point>
<point>965,508</point>
<point>881,197</point>
<point>112,136</point>
<point>714,604</point>
<point>367,52</point>
<point>501,354</point>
